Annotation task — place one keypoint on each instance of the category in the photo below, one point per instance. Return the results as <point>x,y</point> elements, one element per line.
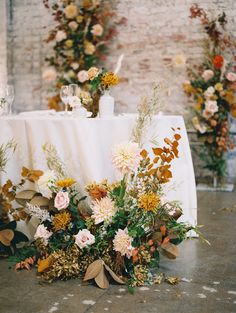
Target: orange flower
<point>61,221</point>
<point>149,201</point>
<point>218,61</point>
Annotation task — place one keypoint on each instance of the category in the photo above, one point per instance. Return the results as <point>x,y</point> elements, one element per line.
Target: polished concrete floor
<point>208,286</point>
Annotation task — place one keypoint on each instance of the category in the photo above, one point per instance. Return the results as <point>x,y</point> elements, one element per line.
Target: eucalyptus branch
<point>5,150</point>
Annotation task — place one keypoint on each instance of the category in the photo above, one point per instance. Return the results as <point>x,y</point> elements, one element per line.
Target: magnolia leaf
<point>101,279</point>
<point>40,201</point>
<point>114,276</point>
<point>25,196</point>
<point>6,236</point>
<point>172,280</point>
<point>93,269</point>
<point>44,264</point>
<point>170,250</point>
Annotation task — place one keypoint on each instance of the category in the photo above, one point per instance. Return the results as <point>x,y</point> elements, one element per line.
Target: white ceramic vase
<point>106,105</point>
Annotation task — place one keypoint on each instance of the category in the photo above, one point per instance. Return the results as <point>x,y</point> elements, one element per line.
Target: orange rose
<point>218,61</point>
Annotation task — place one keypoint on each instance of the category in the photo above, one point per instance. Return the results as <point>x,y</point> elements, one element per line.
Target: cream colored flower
<point>74,65</point>
<point>93,72</point>
<point>179,60</point>
<point>211,106</point>
<point>82,76</point>
<point>231,76</point>
<point>89,48</point>
<point>85,97</point>
<point>207,74</point>
<point>42,233</point>
<point>103,210</point>
<point>97,30</point>
<point>71,11</point>
<point>60,35</point>
<point>73,25</point>
<point>126,157</point>
<point>218,87</point>
<point>84,238</point>
<point>123,242</point>
<point>69,43</point>
<point>201,128</point>
<point>49,74</point>
<point>209,92</point>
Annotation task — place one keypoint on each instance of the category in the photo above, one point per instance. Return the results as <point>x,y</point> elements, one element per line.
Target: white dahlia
<point>103,210</point>
<point>123,242</point>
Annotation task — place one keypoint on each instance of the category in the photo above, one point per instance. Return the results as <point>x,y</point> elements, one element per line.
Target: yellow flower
<point>149,201</point>
<point>92,72</point>
<point>200,100</point>
<point>89,48</point>
<point>61,221</point>
<point>198,106</point>
<point>79,18</point>
<point>218,87</point>
<point>188,88</point>
<point>229,96</point>
<point>69,43</point>
<point>109,79</point>
<point>71,11</point>
<point>65,182</point>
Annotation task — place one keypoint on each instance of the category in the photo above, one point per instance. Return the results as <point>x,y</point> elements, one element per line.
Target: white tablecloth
<point>85,147</point>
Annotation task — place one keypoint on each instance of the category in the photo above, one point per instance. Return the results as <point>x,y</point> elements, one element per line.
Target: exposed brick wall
<point>156,31</point>
<point>3,40</point>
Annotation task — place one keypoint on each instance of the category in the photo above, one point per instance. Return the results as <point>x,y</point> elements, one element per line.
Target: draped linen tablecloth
<point>85,147</point>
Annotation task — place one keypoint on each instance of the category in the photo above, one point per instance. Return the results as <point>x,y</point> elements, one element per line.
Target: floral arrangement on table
<point>212,88</point>
<point>80,40</point>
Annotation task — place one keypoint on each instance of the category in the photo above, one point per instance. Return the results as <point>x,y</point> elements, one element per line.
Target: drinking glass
<point>64,94</point>
<point>10,95</point>
<point>73,90</point>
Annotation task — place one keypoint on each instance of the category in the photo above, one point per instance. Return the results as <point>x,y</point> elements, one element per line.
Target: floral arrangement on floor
<point>212,89</point>
<point>117,232</point>
<point>80,40</point>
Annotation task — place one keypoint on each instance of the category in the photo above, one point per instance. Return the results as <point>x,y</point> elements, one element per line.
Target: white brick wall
<point>3,40</point>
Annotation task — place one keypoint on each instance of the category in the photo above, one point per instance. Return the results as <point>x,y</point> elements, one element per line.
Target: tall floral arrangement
<point>80,38</point>
<point>212,87</point>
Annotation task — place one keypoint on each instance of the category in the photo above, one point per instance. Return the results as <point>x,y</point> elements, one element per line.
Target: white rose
<point>84,238</point>
<point>42,233</point>
<point>97,30</point>
<point>82,76</point>
<point>74,65</point>
<point>207,74</point>
<point>44,183</point>
<point>73,25</point>
<point>209,92</point>
<point>211,106</point>
<point>60,35</point>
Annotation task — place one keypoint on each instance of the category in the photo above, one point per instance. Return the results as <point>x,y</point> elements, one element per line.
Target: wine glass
<point>73,90</point>
<point>10,95</point>
<point>64,94</point>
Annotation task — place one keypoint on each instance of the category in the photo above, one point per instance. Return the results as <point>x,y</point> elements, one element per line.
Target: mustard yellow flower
<point>229,96</point>
<point>61,221</point>
<point>71,11</point>
<point>218,87</point>
<point>65,182</point>
<point>109,79</point>
<point>69,43</point>
<point>149,201</point>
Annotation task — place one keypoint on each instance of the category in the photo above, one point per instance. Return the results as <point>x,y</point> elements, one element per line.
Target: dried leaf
<point>6,237</point>
<point>101,279</point>
<point>158,279</point>
<point>163,230</point>
<point>31,175</point>
<point>157,237</point>
<point>144,153</point>
<point>172,280</point>
<point>157,151</point>
<point>170,250</point>
<point>25,196</point>
<point>177,136</point>
<point>40,201</point>
<point>93,269</point>
<point>44,264</point>
<point>114,276</point>
<point>168,141</point>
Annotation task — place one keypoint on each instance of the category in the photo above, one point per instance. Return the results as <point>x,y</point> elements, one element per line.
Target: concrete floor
<point>212,271</point>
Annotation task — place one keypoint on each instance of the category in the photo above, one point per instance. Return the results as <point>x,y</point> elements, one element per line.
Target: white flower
<point>207,74</point>
<point>206,114</point>
<point>123,242</point>
<point>74,101</point>
<point>42,233</point>
<point>82,76</point>
<point>211,106</point>
<point>179,60</point>
<point>74,65</point>
<point>97,30</point>
<point>60,35</point>
<point>126,156</point>
<point>231,76</point>
<point>73,25</point>
<point>209,92</point>
<point>103,210</point>
<point>201,128</point>
<point>45,182</point>
<point>36,211</point>
<point>49,74</point>
<point>84,238</point>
